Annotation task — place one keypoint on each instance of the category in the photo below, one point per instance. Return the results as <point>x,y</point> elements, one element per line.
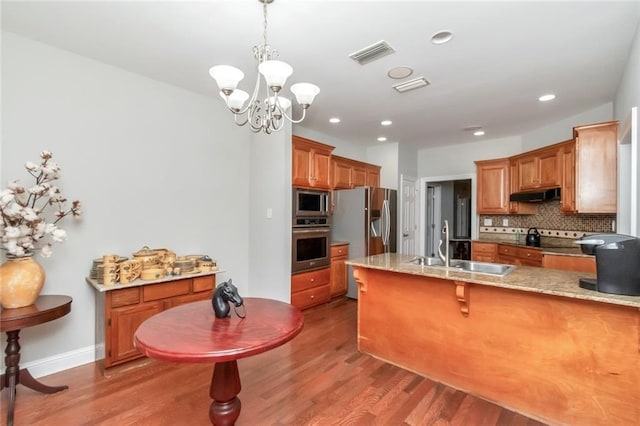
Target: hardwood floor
<point>319,378</point>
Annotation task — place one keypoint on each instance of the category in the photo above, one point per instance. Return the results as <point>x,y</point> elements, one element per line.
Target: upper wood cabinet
<point>347,173</point>
<point>538,169</point>
<point>568,164</point>
<point>493,186</point>
<point>341,173</point>
<point>596,168</point>
<point>515,207</point>
<point>311,163</point>
<point>373,175</point>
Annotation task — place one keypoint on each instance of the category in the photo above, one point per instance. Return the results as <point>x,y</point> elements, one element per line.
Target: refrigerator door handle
<point>385,222</point>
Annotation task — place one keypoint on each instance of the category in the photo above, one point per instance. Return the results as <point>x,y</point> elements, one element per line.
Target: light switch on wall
<point>269,213</point>
<point>488,222</point>
<point>505,222</point>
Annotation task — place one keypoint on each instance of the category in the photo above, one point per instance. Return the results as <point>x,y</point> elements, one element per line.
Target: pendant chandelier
<point>269,113</point>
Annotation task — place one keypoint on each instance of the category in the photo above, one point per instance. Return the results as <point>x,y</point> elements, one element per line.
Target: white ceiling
<point>502,57</point>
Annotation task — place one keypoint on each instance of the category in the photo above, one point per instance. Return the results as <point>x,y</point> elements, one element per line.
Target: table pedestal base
<point>14,375</point>
<point>225,386</point>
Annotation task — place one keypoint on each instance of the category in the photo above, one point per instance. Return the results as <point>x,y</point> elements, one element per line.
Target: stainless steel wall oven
<point>310,248</point>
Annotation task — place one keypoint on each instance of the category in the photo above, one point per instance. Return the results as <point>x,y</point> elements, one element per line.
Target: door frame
<point>423,205</point>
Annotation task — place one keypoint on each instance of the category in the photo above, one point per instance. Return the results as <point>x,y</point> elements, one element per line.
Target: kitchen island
<point>532,341</point>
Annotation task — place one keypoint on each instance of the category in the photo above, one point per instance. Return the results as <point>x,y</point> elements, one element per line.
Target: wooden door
<point>568,192</point>
<point>124,323</point>
<point>527,168</point>
<point>596,168</point>
<point>550,168</point>
<point>493,186</point>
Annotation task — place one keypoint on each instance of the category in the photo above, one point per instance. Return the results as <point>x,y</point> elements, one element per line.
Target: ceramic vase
<point>21,280</point>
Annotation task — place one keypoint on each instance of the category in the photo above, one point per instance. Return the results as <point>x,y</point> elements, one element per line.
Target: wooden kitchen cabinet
<point>569,263</point>
<point>339,278</point>
<point>493,186</point>
<point>126,307</point>
<point>347,173</point>
<point>514,206</point>
<point>520,256</point>
<point>484,252</point>
<point>341,173</point>
<point>568,163</point>
<point>310,288</point>
<point>359,175</point>
<point>538,169</point>
<point>311,163</point>
<point>373,175</point>
<point>596,168</point>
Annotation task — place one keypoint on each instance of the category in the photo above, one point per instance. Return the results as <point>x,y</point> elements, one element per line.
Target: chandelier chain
<point>264,14</point>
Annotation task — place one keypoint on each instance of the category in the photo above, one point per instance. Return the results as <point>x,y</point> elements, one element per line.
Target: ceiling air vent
<point>371,53</point>
<point>411,84</point>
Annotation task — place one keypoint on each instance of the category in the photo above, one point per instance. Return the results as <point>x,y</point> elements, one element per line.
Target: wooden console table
<point>192,333</point>
<point>46,308</point>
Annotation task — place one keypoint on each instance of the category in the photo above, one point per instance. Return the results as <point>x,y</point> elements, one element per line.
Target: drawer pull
<point>528,254</point>
<point>313,296</point>
<point>312,280</point>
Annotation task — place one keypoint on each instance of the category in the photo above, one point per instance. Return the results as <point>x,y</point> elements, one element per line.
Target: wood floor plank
<point>319,378</point>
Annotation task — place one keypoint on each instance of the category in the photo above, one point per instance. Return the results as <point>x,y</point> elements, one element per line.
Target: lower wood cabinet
<point>127,307</point>
<point>339,279</point>
<point>523,256</point>
<point>520,256</point>
<point>310,288</point>
<point>570,263</point>
<point>483,252</point>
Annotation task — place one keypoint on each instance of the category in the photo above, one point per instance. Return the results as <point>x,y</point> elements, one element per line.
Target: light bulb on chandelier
<point>263,115</point>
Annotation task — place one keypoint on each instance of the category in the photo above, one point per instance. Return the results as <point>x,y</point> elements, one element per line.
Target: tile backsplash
<point>550,217</point>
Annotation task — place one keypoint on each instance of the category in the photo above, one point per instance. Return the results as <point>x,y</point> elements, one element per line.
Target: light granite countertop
<point>523,278</point>
<point>137,283</point>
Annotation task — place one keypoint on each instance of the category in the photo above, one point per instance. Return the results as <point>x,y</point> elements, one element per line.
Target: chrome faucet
<point>445,257</point>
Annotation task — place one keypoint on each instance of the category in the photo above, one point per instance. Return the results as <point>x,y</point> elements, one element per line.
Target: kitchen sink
<point>497,269</point>
<point>482,267</point>
<point>426,261</point>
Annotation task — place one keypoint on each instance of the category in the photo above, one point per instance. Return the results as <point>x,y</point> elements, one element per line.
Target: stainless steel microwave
<point>310,203</point>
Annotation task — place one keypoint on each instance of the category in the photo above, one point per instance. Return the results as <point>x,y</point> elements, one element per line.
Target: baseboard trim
<point>60,362</point>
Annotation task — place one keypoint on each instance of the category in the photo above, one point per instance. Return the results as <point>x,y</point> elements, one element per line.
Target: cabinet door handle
<point>313,296</point>
<point>528,254</point>
<point>312,280</point>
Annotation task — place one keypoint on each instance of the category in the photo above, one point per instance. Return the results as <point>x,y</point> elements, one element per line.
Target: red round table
<point>192,333</point>
<point>46,308</point>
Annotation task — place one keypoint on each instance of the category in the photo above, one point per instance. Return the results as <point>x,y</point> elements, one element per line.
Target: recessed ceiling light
<point>386,122</point>
<point>478,133</point>
<point>548,97</point>
<point>441,37</point>
<point>334,120</point>
<point>400,72</point>
<point>382,139</point>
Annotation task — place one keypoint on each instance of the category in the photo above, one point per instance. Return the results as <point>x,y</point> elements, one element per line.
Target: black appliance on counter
<point>617,263</point>
<point>533,237</point>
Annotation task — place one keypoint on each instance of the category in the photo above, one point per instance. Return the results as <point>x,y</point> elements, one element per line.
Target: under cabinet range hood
<point>536,196</point>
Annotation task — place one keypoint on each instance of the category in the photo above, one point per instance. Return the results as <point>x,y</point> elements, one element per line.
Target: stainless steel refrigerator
<point>365,217</point>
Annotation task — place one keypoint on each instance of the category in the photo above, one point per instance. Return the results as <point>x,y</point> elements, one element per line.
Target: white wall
<point>459,159</point>
<point>562,130</point>
<point>270,215</point>
<point>153,165</point>
<point>385,155</point>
